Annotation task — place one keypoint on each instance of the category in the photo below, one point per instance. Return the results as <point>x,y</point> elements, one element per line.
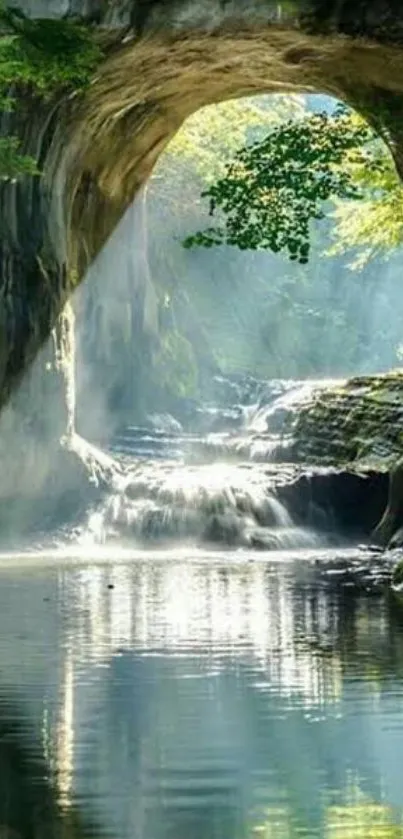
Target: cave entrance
<point>97,159</point>
<point>157,323</point>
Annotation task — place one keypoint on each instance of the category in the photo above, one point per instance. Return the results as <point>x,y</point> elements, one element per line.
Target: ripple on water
<point>169,699</point>
<point>199,690</point>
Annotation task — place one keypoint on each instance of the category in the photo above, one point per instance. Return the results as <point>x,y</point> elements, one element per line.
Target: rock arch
<point>165,59</point>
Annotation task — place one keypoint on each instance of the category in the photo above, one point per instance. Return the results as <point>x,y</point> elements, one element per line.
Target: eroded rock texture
<point>357,421</point>
<point>165,59</point>
<point>357,427</point>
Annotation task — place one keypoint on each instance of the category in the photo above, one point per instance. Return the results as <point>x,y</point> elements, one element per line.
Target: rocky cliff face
<point>375,18</point>
<point>360,421</point>
<point>163,60</point>
<point>358,425</point>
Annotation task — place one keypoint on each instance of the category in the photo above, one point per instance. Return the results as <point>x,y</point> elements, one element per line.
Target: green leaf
<point>272,191</point>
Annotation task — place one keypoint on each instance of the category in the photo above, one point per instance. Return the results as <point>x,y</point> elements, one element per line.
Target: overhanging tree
<point>274,190</point>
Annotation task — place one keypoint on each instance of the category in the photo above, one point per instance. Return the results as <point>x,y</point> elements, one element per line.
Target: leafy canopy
<point>205,144</point>
<point>273,190</point>
<point>374,226</point>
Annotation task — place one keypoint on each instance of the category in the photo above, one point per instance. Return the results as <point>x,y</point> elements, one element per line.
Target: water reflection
<point>175,700</point>
<point>30,804</point>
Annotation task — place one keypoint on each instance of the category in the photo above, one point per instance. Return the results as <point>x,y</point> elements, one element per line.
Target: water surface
<point>201,697</point>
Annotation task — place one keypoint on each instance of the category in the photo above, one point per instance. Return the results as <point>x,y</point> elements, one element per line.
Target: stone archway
<point>166,59</point>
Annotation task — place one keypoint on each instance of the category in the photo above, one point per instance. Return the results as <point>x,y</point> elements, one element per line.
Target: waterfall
<point>64,347</point>
<point>116,328</point>
<point>212,504</point>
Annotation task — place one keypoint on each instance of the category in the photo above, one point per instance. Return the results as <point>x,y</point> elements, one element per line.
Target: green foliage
<point>209,139</point>
<point>42,57</point>
<point>374,227</point>
<point>46,55</point>
<point>273,190</point>
<point>13,164</point>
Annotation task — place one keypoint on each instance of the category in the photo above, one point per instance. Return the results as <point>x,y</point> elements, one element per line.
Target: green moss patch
<point>360,421</point>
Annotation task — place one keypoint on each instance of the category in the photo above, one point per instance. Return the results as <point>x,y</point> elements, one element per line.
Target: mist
<point>155,322</point>
<point>157,335</point>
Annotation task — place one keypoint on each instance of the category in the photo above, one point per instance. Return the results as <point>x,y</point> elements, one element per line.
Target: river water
<point>156,683</point>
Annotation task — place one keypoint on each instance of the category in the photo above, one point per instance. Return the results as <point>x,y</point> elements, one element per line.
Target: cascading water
<point>269,417</point>
<point>216,504</point>
<point>192,485</point>
<point>265,422</point>
<point>64,350</point>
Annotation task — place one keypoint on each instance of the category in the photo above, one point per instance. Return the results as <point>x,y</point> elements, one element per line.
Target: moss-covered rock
<point>361,420</point>
<point>360,425</point>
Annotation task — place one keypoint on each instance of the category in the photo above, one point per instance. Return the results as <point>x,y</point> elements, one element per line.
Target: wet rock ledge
<point>359,421</point>
<point>356,429</point>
